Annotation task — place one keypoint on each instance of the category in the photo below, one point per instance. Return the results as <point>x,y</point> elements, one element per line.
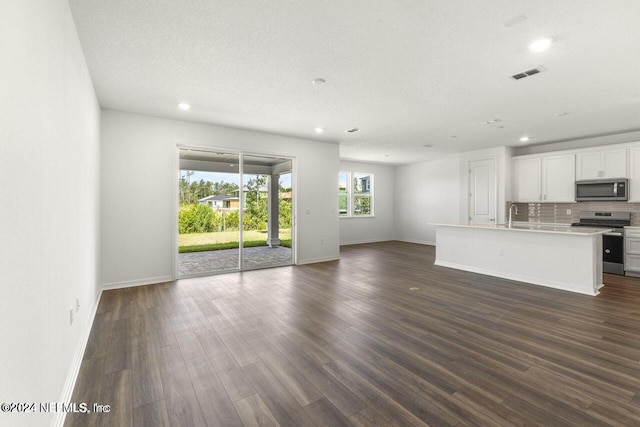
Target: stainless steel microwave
<point>602,189</point>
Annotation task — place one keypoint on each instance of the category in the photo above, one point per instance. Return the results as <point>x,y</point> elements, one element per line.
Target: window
<point>355,194</point>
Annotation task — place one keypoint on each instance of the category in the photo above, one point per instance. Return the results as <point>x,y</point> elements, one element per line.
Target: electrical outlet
<point>500,252</point>
<point>77,304</point>
<point>70,316</point>
<point>322,242</point>
<point>568,211</point>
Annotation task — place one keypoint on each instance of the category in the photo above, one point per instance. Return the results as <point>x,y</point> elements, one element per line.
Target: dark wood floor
<point>348,343</point>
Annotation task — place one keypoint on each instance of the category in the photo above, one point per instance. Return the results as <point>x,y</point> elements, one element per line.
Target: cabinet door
<point>599,164</point>
<point>632,263</point>
<point>634,174</point>
<point>526,180</point>
<point>614,163</point>
<point>588,165</point>
<point>632,246</point>
<point>558,178</point>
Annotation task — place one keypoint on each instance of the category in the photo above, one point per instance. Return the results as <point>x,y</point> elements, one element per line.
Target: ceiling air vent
<point>352,130</point>
<point>527,73</point>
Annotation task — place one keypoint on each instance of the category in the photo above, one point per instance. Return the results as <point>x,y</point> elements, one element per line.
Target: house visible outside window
<point>355,194</point>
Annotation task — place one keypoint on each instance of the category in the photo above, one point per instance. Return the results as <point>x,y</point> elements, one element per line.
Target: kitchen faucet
<point>513,205</point>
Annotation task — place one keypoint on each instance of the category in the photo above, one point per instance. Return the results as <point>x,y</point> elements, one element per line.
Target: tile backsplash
<point>556,213</point>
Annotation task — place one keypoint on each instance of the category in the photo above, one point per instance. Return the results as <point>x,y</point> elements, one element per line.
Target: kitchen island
<point>556,256</point>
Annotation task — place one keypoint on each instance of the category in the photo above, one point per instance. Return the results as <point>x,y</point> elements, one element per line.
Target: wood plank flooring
<point>347,343</point>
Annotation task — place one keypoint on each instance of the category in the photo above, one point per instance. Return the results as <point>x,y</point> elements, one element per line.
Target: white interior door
<point>482,191</point>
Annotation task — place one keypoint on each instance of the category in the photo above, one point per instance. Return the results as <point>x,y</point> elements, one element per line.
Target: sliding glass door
<point>235,212</point>
<point>268,212</point>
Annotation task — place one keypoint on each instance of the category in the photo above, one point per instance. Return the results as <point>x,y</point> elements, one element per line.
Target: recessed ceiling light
<point>428,145</point>
<point>540,45</point>
<point>319,130</point>
<point>453,136</point>
<point>318,81</point>
<point>524,139</point>
<point>352,130</point>
<point>561,114</point>
<point>184,106</point>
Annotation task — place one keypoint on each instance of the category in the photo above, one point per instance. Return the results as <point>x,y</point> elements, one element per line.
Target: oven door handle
<point>613,233</point>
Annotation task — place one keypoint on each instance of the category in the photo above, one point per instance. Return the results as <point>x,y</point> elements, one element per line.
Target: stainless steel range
<point>612,241</point>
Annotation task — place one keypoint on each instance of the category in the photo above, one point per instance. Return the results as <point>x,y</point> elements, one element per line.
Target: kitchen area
<point>570,216</point>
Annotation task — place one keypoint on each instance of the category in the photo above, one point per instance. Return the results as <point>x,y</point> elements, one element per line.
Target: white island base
<point>557,257</point>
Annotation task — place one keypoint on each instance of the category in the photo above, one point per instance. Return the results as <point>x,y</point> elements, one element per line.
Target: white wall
<point>425,194</point>
<point>49,172</point>
<point>139,183</point>
<point>434,192</point>
<point>380,227</point>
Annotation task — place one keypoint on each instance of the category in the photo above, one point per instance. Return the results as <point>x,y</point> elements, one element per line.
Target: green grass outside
<point>200,242</point>
<point>228,245</point>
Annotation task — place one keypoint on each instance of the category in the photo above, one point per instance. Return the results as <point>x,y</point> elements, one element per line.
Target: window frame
<point>351,194</point>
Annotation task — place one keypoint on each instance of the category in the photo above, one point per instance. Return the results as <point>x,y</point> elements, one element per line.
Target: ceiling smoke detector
<point>352,130</point>
<point>528,73</point>
<point>515,21</point>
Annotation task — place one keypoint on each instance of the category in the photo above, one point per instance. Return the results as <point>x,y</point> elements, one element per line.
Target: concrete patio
<point>223,260</point>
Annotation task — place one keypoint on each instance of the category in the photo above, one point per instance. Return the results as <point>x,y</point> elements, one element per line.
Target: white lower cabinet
<point>632,251</point>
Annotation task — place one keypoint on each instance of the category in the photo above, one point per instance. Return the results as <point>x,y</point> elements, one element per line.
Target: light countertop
<point>537,228</point>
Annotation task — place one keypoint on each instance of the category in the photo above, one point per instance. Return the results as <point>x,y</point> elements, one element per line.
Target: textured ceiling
<point>408,73</point>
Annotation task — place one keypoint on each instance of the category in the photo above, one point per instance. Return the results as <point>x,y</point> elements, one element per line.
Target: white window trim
<point>351,194</point>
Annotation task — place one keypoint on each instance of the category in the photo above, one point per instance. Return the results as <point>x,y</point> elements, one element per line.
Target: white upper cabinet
<point>526,179</point>
<point>545,178</point>
<point>601,163</point>
<point>558,178</point>
<point>634,174</point>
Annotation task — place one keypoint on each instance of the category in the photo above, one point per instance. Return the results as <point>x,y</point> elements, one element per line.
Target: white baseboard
<point>418,241</point>
<point>363,241</point>
<point>514,277</point>
<point>74,370</point>
<point>138,282</point>
<point>315,260</point>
